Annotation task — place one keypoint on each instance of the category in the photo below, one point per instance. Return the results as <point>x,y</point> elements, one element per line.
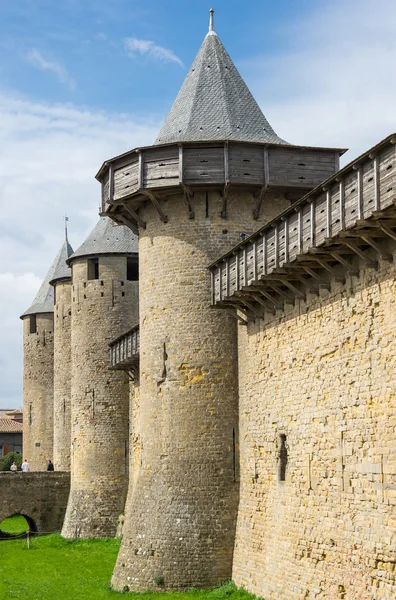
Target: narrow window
<point>282,457</point>
<point>30,414</point>
<point>132,269</point>
<point>33,323</point>
<point>93,268</point>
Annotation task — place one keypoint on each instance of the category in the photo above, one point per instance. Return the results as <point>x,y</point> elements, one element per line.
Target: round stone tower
<point>61,283</point>
<point>38,374</point>
<point>104,305</point>
<point>216,173</point>
<point>181,512</point>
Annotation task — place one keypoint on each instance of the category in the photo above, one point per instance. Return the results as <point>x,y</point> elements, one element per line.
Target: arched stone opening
<point>16,525</point>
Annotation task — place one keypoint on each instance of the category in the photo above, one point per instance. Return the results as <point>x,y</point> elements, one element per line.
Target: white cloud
<point>148,48</point>
<point>332,87</point>
<point>49,155</point>
<point>35,58</point>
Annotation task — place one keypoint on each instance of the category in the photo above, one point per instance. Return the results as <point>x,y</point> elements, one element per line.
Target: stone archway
<point>31,526</point>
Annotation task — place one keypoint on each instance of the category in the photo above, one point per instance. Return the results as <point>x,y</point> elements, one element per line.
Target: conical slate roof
<point>44,300</point>
<point>107,238</point>
<point>62,270</point>
<point>214,102</point>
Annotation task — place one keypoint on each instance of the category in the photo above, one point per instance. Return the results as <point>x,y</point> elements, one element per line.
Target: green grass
<point>14,525</point>
<point>54,568</point>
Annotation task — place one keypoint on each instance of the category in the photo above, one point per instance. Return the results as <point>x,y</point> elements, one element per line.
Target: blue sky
<point>84,80</point>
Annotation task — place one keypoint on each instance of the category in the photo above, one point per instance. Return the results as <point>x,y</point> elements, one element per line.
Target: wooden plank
<point>342,205</point>
<point>377,198</point>
<point>226,164</point>
<point>180,164</point>
<point>140,170</point>
<point>266,166</point>
<point>276,228</point>
<point>328,213</point>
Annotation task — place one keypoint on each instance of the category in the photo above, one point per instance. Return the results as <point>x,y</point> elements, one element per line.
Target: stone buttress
<point>104,304</point>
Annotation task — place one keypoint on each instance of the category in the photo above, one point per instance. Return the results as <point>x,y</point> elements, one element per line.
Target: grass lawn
<point>58,569</point>
<point>14,525</point>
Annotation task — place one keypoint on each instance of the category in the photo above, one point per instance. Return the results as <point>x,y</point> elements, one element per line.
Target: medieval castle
<point>216,362</point>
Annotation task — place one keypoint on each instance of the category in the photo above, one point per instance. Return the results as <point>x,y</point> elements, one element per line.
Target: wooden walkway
<point>344,222</point>
<point>124,351</point>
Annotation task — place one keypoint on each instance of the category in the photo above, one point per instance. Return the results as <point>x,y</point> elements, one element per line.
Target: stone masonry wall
<point>38,391</point>
<point>101,310</point>
<point>41,497</point>
<point>182,502</point>
<point>62,375</point>
<point>323,375</point>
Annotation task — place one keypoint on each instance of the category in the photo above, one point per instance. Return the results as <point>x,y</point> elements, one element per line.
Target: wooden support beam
<point>188,196</point>
<point>226,189</point>
<point>227,275</point>
<point>251,307</point>
<point>234,313</point>
<point>286,229</point>
<point>135,216</point>
<point>260,290</point>
<point>298,293</point>
<point>328,213</point>
<point>180,163</point>
<point>383,253</point>
<point>323,263</point>
<point>342,204</point>
<point>308,283</point>
<point>111,183</point>
<point>264,253</point>
<point>268,308</point>
<point>276,245</point>
<point>128,223</point>
<point>156,203</point>
<point>369,261</point>
<point>350,268</point>
<point>260,198</point>
<point>254,256</point>
<point>266,166</point>
<point>281,293</point>
<point>245,270</point>
<point>300,231</point>
<point>316,276</point>
<point>237,286</point>
<point>387,230</point>
<point>312,219</point>
<point>140,170</point>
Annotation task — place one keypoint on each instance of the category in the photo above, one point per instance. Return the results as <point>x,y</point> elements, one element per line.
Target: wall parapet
<point>347,217</point>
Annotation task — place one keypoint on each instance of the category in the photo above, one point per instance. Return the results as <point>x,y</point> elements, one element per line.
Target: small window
<point>282,457</point>
<point>33,324</point>
<point>132,269</point>
<point>93,268</point>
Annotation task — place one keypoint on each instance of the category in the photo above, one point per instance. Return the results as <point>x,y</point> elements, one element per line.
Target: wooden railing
<point>346,216</point>
<point>124,351</point>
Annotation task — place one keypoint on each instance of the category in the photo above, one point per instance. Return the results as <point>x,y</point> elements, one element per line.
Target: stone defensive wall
<point>315,293</point>
<point>40,497</point>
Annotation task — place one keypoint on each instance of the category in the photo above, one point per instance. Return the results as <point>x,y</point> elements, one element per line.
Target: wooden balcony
<point>124,351</point>
<point>347,221</point>
<point>149,174</point>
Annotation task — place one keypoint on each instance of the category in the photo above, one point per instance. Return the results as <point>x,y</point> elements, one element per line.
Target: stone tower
<point>216,173</point>
<point>104,305</point>
<point>61,282</point>
<point>38,374</point>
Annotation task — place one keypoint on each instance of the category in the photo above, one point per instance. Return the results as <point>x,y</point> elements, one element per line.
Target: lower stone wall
<point>41,497</point>
<point>317,394</point>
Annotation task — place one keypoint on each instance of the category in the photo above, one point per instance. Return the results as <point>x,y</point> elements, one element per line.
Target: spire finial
<point>211,20</point>
<point>66,218</point>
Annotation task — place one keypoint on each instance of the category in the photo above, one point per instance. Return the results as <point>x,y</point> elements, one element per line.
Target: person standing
<point>50,466</point>
<point>14,467</point>
<point>25,466</point>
